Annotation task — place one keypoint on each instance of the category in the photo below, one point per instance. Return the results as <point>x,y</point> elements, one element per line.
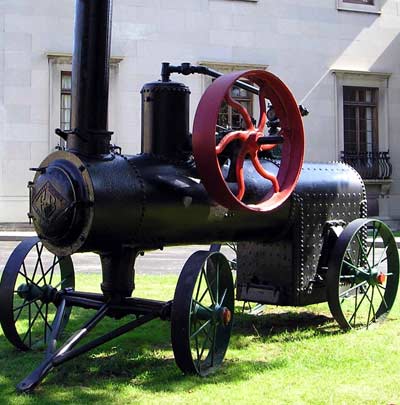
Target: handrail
<point>370,165</point>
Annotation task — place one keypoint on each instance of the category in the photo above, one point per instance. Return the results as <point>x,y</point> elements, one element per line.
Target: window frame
<point>378,80</point>
<point>230,111</point>
<point>58,63</point>
<point>346,5</point>
<point>228,67</point>
<point>375,187</point>
<point>62,62</point>
<point>358,106</point>
<point>65,92</point>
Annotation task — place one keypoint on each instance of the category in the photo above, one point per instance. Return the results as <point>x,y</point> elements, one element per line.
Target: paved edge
<point>15,236</point>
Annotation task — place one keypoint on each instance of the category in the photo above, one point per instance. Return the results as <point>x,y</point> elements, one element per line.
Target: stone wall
<point>302,42</point>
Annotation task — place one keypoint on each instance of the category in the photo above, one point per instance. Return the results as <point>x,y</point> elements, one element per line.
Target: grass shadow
<point>277,326</point>
<point>144,357</point>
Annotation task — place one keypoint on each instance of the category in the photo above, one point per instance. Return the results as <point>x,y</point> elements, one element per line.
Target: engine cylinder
<point>165,119</point>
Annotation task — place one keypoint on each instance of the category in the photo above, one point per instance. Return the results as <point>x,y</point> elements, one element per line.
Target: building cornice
<point>352,72</point>
<point>226,67</point>
<point>66,58</point>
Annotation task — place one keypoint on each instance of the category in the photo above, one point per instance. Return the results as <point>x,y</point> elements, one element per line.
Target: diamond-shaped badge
<point>47,202</point>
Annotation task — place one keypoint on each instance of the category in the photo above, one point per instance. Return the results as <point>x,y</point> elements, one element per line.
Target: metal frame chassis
<point>145,310</point>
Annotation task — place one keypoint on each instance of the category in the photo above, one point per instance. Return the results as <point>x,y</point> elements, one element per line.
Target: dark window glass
<point>360,110</point>
<point>66,101</point>
<point>230,118</point>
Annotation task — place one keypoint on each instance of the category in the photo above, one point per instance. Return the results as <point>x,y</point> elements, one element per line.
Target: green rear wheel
<point>363,274</point>
<point>202,312</point>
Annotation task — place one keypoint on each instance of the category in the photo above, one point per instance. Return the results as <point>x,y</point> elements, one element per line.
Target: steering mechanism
<point>252,140</point>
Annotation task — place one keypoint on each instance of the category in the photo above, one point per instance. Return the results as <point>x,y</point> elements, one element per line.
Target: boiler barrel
<point>97,205</point>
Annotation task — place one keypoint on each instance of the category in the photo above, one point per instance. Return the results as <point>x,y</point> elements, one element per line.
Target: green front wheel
<point>202,313</point>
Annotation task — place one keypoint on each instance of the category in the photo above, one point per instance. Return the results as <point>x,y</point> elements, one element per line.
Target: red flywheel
<point>206,151</point>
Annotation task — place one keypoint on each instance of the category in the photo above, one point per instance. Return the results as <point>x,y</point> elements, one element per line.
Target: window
<point>362,131</point>
<point>366,6</point>
<point>360,115</point>
<point>230,118</point>
<point>65,102</point>
<point>60,99</point>
<point>362,126</point>
<point>362,112</point>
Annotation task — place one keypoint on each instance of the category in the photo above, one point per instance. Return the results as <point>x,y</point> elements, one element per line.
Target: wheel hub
<point>32,292</point>
<point>381,278</point>
<point>373,276</point>
<point>216,314</point>
<point>226,316</point>
<point>376,277</point>
<point>29,292</point>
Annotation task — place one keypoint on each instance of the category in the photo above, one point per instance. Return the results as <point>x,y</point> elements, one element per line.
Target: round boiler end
<point>60,203</point>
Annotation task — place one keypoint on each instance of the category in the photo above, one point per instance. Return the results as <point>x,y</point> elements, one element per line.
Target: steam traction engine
<point>301,229</point>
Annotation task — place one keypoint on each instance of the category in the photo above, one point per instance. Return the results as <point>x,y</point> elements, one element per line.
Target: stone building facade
<point>340,58</point>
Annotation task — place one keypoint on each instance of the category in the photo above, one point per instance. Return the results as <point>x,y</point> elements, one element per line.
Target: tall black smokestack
<point>90,77</point>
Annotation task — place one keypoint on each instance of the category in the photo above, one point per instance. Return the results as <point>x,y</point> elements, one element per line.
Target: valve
<point>252,140</point>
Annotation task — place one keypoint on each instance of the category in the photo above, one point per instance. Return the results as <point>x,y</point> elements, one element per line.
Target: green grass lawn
<point>289,356</point>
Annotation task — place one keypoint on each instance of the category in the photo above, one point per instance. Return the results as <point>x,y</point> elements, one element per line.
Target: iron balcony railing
<point>370,165</point>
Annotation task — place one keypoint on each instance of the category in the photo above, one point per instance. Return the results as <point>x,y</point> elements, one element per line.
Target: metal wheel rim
<point>27,322</point>
<point>204,147</point>
<point>200,345</point>
<point>355,297</point>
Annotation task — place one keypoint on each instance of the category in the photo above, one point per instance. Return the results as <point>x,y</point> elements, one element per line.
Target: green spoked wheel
<point>363,274</point>
<point>28,293</point>
<point>202,313</point>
